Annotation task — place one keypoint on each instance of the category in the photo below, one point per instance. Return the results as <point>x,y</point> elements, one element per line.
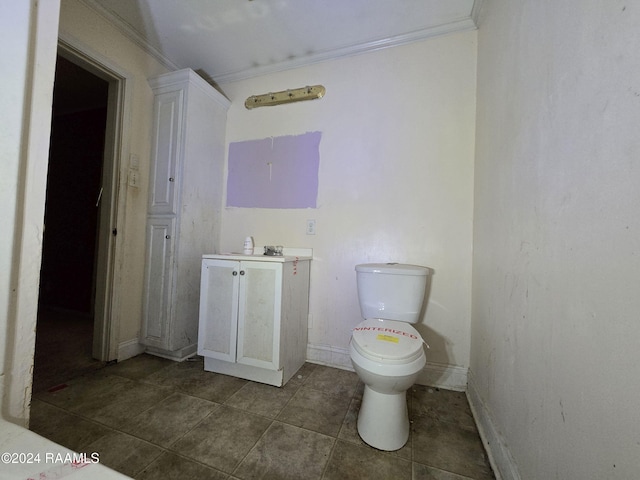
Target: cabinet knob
<point>171,179</point>
<point>167,237</point>
<point>241,272</point>
<point>234,273</point>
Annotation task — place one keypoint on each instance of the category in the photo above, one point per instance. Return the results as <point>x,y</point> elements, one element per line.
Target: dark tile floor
<point>63,347</point>
<point>152,418</point>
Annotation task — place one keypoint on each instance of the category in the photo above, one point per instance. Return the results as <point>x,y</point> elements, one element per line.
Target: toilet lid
<point>387,341</point>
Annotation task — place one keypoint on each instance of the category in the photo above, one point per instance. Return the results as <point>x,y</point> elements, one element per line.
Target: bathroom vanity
<point>254,314</point>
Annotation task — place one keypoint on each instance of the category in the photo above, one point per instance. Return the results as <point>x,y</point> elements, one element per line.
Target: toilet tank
<point>391,291</point>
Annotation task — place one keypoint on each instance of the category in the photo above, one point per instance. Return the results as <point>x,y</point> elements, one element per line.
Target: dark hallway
<point>67,280</point>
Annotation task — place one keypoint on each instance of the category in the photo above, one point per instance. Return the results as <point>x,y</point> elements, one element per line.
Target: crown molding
<point>462,24</point>
<point>128,31</point>
<point>439,30</point>
<point>476,11</point>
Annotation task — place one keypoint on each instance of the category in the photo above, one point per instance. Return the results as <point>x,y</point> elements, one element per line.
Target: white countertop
<point>289,254</point>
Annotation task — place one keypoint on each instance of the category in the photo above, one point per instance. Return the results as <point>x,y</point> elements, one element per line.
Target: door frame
<point>112,203</point>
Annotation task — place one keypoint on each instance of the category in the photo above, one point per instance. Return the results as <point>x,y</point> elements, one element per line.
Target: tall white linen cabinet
<point>185,198</point>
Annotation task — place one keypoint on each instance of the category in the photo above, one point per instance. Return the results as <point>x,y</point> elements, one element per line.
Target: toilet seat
<point>387,341</point>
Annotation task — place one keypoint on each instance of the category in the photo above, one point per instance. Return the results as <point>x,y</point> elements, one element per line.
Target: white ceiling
<point>228,40</point>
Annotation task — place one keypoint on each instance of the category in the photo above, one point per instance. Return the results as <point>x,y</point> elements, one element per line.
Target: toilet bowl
<point>387,369</point>
<point>386,352</point>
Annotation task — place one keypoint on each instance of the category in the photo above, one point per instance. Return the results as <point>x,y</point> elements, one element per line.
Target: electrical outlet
<point>311,227</point>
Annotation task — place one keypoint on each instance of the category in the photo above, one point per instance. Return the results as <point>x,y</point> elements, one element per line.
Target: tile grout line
<point>251,449</point>
<point>112,429</point>
<point>328,462</point>
<point>418,409</point>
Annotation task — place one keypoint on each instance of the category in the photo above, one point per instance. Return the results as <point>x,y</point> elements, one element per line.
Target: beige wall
<point>554,357</point>
<point>32,32</point>
<point>28,32</point>
<point>91,33</point>
<point>395,185</point>
<point>396,172</point>
<point>555,328</point>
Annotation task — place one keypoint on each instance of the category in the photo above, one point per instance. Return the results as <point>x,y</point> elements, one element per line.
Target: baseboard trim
<point>129,349</point>
<point>330,356</point>
<point>448,377</point>
<point>132,348</point>
<point>504,467</point>
<point>179,355</point>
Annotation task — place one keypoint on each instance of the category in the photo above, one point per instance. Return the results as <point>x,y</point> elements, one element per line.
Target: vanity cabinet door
<point>218,325</point>
<point>253,317</point>
<point>259,314</point>
<point>158,282</point>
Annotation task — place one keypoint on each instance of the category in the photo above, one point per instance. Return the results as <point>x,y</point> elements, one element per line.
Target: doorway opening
<point>73,328</point>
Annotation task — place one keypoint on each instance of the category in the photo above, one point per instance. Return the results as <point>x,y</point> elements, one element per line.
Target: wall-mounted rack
<point>286,96</point>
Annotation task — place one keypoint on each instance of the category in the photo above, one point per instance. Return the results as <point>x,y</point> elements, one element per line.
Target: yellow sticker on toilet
<point>388,338</point>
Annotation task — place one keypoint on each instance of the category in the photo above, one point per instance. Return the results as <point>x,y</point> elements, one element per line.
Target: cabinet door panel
<point>166,153</point>
<point>218,309</point>
<point>259,314</point>
<point>159,275</point>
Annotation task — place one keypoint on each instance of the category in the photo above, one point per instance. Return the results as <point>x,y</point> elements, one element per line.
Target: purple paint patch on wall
<point>279,172</point>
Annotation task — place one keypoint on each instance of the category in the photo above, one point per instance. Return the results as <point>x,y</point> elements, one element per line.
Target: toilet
<point>386,352</point>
